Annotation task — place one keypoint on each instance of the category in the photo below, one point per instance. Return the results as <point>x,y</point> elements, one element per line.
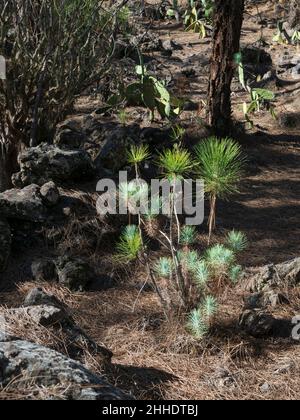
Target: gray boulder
<point>49,315</point>
<point>26,366</point>
<point>26,204</point>
<point>44,163</point>
<point>272,276</point>
<point>5,243</point>
<point>37,297</point>
<point>264,299</point>
<point>69,138</point>
<point>113,140</point>
<point>44,315</point>
<point>259,324</point>
<point>74,273</point>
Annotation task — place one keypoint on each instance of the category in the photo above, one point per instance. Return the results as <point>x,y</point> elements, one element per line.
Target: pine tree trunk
<point>294,17</point>
<point>228,19</point>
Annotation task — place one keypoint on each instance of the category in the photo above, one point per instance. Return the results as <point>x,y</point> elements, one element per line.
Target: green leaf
<point>140,70</point>
<point>265,94</point>
<point>148,95</point>
<point>171,13</point>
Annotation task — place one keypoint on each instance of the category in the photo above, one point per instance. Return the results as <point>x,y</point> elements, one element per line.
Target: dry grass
<point>63,294</point>
<point>155,360</point>
<point>17,391</point>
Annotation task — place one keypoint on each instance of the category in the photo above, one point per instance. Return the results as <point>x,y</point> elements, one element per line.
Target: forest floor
<point>156,360</point>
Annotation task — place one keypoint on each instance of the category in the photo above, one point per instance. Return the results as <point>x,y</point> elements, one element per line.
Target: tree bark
<point>228,20</point>
<point>294,17</point>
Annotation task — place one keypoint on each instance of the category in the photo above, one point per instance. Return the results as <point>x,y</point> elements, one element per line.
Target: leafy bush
<point>196,17</point>
<point>149,92</point>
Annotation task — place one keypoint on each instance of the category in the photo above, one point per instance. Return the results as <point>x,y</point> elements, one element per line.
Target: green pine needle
<point>196,325</point>
<point>138,154</point>
<point>176,163</point>
<point>164,267</point>
<point>219,162</point>
<point>209,307</point>
<point>130,244</point>
<point>188,235</point>
<point>219,257</point>
<point>237,241</point>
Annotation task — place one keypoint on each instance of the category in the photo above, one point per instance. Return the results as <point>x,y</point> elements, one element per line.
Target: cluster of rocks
<point>107,142</point>
<point>28,367</point>
<point>32,203</point>
<point>74,273</point>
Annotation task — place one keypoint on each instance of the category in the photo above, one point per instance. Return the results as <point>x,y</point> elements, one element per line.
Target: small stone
<point>50,194</point>
<point>274,299</point>
<point>296,71</point>
<point>171,45</point>
<point>46,315</point>
<point>285,368</point>
<point>265,388</point>
<point>289,120</point>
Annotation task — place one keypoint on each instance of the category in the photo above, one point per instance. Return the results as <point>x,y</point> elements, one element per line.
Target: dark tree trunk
<point>228,20</point>
<point>294,18</point>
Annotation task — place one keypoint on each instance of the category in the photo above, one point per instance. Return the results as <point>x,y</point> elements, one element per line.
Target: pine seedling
<point>201,274</point>
<point>138,154</point>
<point>235,273</point>
<point>196,325</point>
<point>219,162</point>
<point>219,257</point>
<point>188,235</point>
<point>130,244</point>
<point>209,307</point>
<point>176,163</point>
<point>164,267</point>
<point>237,241</point>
